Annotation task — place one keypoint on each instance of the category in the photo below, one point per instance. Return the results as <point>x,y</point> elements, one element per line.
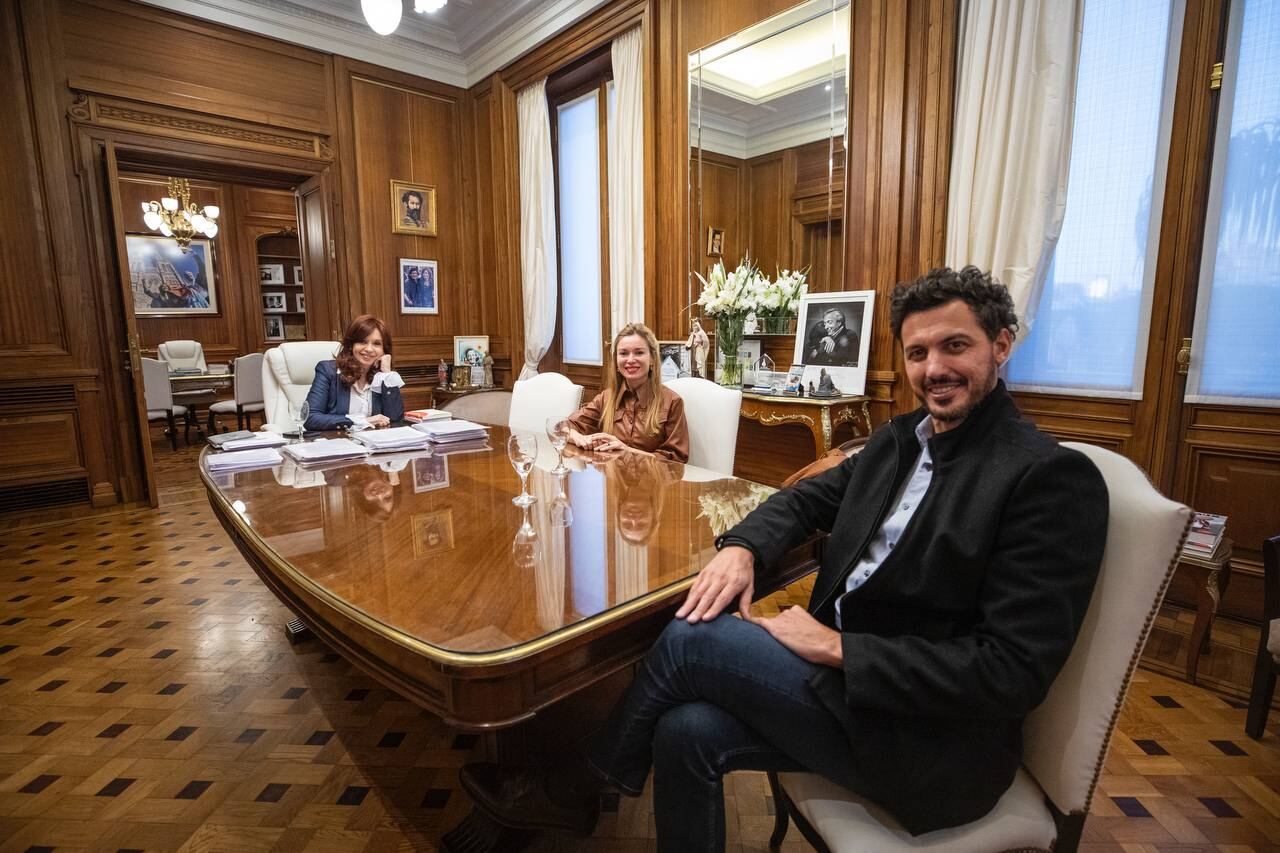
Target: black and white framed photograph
<point>274,328</point>
<point>297,274</point>
<point>419,287</point>
<point>833,333</point>
<point>270,273</point>
<point>275,302</point>
<point>300,300</point>
<point>673,359</point>
<point>430,473</point>
<point>167,281</point>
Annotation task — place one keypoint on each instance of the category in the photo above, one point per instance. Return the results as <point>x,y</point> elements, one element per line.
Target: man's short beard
<point>415,215</point>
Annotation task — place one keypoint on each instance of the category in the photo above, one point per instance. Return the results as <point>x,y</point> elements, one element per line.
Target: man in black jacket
<point>963,552</point>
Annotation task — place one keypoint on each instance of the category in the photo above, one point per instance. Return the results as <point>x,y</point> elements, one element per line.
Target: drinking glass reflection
<point>525,547</point>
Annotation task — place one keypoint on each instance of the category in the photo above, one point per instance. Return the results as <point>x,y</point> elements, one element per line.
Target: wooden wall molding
<point>90,108</point>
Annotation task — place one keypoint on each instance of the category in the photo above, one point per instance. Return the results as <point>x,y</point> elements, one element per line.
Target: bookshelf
<point>281,289</point>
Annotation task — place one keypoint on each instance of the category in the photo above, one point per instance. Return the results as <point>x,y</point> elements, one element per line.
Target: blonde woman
<point>634,411</point>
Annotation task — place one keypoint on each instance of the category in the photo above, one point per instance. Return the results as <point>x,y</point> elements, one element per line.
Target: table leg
<point>822,441</point>
<point>1207,598</point>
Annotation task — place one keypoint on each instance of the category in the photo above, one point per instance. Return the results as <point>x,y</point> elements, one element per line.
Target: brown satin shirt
<point>670,442</point>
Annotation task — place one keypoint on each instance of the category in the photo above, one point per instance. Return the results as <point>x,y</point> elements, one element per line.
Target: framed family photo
<point>470,349</point>
<point>419,286</point>
<point>413,209</point>
<point>297,274</point>
<point>274,302</point>
<point>270,273</point>
<point>166,281</point>
<point>430,473</point>
<point>833,333</point>
<point>274,328</point>
<point>301,300</point>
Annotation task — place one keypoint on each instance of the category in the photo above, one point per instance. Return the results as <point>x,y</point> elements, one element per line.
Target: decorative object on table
<point>274,302</point>
<point>488,370</point>
<point>749,352</point>
<point>834,334</point>
<point>300,301</point>
<point>730,297</point>
<point>673,359</point>
<point>413,208</point>
<point>166,280</point>
<point>781,301</point>
<point>419,286</point>
<point>1205,534</point>
<point>297,274</point>
<point>726,502</point>
<point>430,473</point>
<point>470,349</point>
<point>274,328</point>
<point>698,344</point>
<point>442,374</point>
<point>770,382</point>
<point>175,216</point>
<point>794,385</point>
<point>477,375</point>
<point>715,242</point>
<point>826,387</point>
<point>270,273</point>
<point>432,532</point>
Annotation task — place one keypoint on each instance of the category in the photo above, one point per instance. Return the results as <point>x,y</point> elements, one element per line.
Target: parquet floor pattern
<point>149,701</point>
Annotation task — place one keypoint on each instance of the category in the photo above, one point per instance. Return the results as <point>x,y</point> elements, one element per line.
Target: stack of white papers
<point>325,450</point>
<point>447,432</point>
<point>262,457</point>
<point>396,438</point>
<point>260,439</point>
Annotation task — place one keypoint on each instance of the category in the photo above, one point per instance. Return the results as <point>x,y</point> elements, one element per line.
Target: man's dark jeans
<point>709,699</point>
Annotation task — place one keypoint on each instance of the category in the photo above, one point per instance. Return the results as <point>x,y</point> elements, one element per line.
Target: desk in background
<point>766,455</point>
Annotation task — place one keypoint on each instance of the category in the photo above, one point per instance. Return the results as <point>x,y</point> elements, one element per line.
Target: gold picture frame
<point>433,532</point>
<point>715,242</point>
<point>403,212</point>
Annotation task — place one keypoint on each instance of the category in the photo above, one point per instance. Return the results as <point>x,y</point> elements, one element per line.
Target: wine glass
<point>561,507</point>
<point>558,432</point>
<point>299,412</point>
<point>522,449</point>
<point>525,547</point>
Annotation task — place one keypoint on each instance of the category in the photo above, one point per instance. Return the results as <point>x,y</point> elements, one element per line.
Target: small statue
<point>488,370</point>
<point>698,344</point>
<point>442,374</point>
<point>826,388</point>
<point>810,389</point>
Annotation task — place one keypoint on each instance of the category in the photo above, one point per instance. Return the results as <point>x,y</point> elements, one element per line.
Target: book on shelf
<point>1205,535</point>
<point>418,416</point>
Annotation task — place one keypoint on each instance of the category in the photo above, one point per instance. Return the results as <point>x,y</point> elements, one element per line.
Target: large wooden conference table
<point>420,570</point>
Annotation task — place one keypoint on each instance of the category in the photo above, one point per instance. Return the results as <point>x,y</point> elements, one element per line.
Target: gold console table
<point>820,414</point>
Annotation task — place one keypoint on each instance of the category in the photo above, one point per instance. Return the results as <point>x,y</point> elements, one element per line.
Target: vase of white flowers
<point>730,297</point>
<point>780,302</point>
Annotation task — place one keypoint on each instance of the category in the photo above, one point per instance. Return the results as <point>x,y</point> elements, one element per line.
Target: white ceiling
<point>460,45</point>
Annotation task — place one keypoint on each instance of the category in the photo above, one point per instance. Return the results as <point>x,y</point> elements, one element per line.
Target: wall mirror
<point>767,146</point>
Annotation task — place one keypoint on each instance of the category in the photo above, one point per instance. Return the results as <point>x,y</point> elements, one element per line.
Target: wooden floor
<point>149,701</point>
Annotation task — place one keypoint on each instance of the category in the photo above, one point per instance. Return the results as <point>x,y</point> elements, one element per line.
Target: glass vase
<point>730,372</point>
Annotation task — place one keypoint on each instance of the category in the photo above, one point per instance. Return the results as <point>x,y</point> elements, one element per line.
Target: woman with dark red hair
<point>358,387</point>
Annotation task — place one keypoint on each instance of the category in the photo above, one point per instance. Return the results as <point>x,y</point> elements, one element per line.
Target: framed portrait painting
<point>413,209</point>
<point>419,286</point>
<point>833,335</point>
<point>166,281</point>
<point>715,242</point>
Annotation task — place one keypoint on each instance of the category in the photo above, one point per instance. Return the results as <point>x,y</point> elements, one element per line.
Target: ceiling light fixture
<point>383,16</point>
<point>424,6</point>
<point>175,216</point>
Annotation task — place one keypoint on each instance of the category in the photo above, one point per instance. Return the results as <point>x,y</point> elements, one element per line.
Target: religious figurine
<point>488,370</point>
<point>698,344</point>
<point>826,388</point>
<point>810,389</point>
<point>442,374</point>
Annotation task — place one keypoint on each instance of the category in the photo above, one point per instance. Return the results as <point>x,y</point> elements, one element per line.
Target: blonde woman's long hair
<point>616,385</point>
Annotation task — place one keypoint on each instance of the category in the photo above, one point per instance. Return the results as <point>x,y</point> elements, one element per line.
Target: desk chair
<point>247,392</point>
<point>1268,659</point>
<point>188,355</point>
<point>540,397</point>
<point>1065,739</point>
<point>159,398</point>
<point>486,407</point>
<point>287,373</point>
<point>712,413</point>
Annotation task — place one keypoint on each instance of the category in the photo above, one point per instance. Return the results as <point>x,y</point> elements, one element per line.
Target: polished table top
<point>427,548</point>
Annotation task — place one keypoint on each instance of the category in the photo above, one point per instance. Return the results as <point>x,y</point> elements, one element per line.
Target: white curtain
<point>537,224</point>
<point>1015,98</point>
<point>626,185</point>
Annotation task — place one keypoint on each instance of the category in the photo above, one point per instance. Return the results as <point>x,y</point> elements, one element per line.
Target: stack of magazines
<point>243,460</point>
<point>325,450</point>
<point>452,431</point>
<point>396,438</point>
<point>1205,536</point>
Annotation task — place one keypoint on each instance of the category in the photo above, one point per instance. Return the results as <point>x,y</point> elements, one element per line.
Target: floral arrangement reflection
<point>727,502</point>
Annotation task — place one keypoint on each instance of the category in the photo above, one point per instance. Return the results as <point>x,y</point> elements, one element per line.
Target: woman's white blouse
<point>361,405</point>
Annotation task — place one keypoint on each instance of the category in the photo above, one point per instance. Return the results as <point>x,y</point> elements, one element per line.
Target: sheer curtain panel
<point>537,224</point>
<point>626,185</point>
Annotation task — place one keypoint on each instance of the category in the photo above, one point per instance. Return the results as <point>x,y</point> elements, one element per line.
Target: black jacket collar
<point>996,407</point>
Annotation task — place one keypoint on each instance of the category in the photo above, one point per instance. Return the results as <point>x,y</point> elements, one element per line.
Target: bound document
<point>396,438</point>
<point>325,450</point>
<point>257,439</point>
<point>240,460</point>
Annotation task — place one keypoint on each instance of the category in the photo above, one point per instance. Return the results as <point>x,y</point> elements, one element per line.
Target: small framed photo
<point>430,473</point>
<point>673,359</point>
<point>795,379</point>
<point>470,349</point>
<point>275,328</point>
<point>275,302</point>
<point>419,287</point>
<point>433,532</point>
<point>300,300</point>
<point>297,274</point>
<point>270,273</point>
<point>413,208</point>
<point>715,242</point>
<point>833,334</point>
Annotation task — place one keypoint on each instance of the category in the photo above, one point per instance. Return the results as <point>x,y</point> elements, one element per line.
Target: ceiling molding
<point>492,51</point>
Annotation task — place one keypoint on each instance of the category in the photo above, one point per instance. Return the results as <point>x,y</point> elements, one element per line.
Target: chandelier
<point>174,215</point>
<point>383,16</point>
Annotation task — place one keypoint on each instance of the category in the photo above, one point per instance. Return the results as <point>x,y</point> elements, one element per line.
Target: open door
<point>133,355</point>
<point>319,265</point>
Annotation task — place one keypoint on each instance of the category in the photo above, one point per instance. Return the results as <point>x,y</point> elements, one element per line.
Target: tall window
<point>1091,328</point>
<point>579,215</point>
<point>1235,357</point>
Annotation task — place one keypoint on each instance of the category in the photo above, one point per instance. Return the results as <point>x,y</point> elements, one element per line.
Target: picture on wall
<point>470,349</point>
<point>165,281</point>
<point>274,302</point>
<point>432,532</point>
<point>834,334</point>
<point>715,242</point>
<point>419,287</point>
<point>270,273</point>
<point>301,300</point>
<point>275,328</point>
<point>297,274</point>
<point>413,208</point>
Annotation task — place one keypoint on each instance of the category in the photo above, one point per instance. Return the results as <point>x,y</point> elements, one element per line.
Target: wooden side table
<point>1213,575</point>
<point>440,396</point>
<point>820,414</point>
